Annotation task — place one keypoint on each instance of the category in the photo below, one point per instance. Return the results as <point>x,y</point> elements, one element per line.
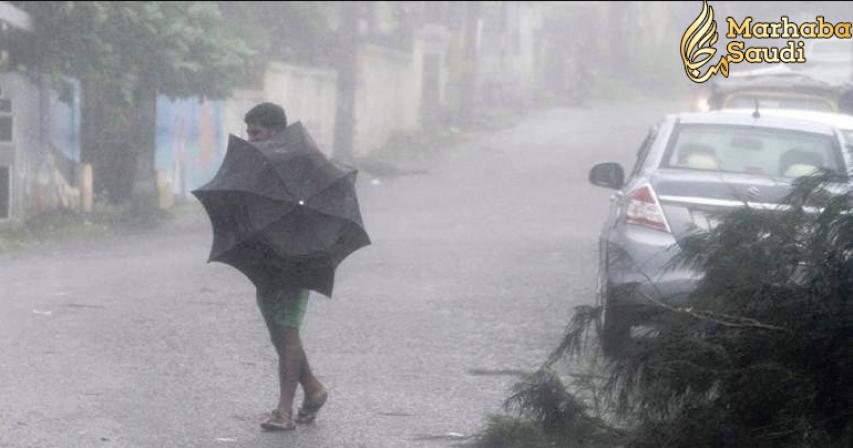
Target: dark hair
<point>268,115</point>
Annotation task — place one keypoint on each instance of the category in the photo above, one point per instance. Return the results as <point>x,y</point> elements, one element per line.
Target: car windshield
<point>752,150</point>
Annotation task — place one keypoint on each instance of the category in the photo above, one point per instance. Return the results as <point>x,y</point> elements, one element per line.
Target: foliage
<point>762,355</point>
<point>124,54</point>
<point>512,432</point>
<point>300,32</point>
<point>63,224</point>
<point>179,48</point>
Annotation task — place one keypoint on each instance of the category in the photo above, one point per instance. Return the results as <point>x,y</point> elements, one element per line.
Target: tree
<point>319,34</point>
<point>761,356</point>
<point>295,31</point>
<point>124,54</point>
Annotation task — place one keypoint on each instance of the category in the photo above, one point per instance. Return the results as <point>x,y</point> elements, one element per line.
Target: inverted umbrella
<point>282,213</point>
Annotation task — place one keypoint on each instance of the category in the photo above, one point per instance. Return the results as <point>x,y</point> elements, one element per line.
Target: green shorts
<point>282,308</point>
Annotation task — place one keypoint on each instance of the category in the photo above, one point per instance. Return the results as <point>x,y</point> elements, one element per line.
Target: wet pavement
<point>473,272</point>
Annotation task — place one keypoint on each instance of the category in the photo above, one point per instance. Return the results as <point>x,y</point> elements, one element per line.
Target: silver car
<point>689,168</point>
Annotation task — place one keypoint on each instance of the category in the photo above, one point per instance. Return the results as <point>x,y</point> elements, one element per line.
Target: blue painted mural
<point>190,142</point>
<point>62,126</point>
<point>45,149</point>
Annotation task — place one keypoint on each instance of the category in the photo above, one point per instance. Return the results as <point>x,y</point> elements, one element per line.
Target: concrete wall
<point>45,150</point>
<point>192,136</point>
<point>308,95</point>
<point>388,95</point>
<point>236,107</point>
<point>435,104</point>
<point>528,75</point>
<point>508,68</point>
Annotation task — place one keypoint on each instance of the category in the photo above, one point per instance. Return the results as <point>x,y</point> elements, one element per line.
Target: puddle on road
<point>82,305</point>
<point>396,414</point>
<point>447,437</point>
<point>497,372</point>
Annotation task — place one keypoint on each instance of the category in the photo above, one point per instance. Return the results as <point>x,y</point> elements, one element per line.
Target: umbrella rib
<point>311,228</point>
<point>249,237</point>
<point>331,184</point>
<point>314,232</point>
<point>328,214</point>
<point>260,230</point>
<point>224,252</point>
<point>253,234</point>
<point>253,193</point>
<point>320,212</point>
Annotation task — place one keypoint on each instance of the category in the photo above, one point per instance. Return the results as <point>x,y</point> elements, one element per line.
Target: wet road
<point>474,270</point>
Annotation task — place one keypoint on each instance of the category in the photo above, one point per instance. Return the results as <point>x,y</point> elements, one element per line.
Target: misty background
<point>473,125</point>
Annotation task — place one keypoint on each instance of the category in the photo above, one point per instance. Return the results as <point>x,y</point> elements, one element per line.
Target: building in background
<point>405,76</point>
<point>39,135</point>
<point>509,66</point>
<point>408,67</point>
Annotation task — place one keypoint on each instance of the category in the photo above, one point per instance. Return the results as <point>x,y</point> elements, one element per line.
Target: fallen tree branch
<point>717,318</point>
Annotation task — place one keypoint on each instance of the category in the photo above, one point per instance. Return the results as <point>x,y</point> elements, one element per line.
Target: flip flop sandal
<point>308,412</point>
<point>277,422</point>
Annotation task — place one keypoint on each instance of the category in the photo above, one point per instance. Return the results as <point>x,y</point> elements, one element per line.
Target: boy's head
<point>264,121</point>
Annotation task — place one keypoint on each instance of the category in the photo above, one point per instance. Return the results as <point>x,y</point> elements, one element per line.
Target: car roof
<point>744,117</point>
<point>777,79</point>
<point>787,83</point>
<point>838,120</point>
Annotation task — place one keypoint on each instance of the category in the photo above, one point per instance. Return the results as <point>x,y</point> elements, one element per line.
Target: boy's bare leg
<point>293,369</point>
<point>289,371</point>
<point>310,384</point>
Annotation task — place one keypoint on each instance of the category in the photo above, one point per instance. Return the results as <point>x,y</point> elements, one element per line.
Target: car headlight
<point>702,103</point>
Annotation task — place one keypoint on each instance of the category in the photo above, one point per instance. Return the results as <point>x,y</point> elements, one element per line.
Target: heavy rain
<point>495,224</point>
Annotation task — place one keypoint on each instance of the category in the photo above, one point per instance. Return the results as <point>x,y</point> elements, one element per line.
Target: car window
<point>752,150</point>
<point>644,150</point>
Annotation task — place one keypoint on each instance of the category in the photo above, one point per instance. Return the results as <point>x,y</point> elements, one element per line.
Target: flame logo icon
<point>697,47</point>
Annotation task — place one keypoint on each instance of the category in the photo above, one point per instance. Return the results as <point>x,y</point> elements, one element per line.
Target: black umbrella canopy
<point>282,212</point>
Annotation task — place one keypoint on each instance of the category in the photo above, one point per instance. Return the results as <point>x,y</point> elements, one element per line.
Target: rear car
<point>775,88</point>
<point>689,168</point>
<point>830,60</point>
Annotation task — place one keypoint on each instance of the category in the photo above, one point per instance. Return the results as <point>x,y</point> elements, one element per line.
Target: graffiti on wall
<point>190,142</point>
<point>46,142</point>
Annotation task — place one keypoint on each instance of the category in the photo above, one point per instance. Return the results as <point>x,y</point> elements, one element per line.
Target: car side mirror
<point>607,175</point>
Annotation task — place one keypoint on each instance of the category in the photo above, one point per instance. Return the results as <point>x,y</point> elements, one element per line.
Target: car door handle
<point>615,196</point>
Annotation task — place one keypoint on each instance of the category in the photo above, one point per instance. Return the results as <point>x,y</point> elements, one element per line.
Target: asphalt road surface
<point>475,267</point>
